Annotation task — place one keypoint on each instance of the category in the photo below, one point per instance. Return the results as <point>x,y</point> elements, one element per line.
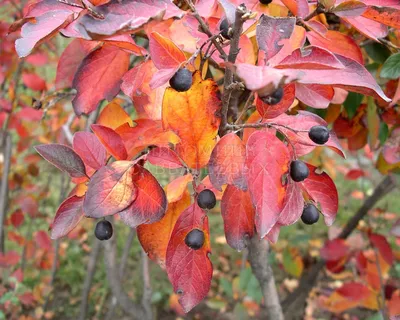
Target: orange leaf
<point>164,53</point>
<point>192,116</point>
<point>113,115</point>
<point>154,237</point>
<point>384,15</point>
<point>111,141</point>
<point>177,187</point>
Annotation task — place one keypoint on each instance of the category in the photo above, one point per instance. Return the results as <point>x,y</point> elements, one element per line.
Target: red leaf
<point>67,217</point>
<point>9,259</point>
<point>304,121</point>
<point>111,140</point>
<point>381,243</point>
<point>99,77</point>
<point>190,271</point>
<point>334,250</point>
<point>43,27</point>
<point>42,240</point>
<point>315,95</point>
<point>322,190</point>
<point>64,158</point>
<point>127,16</point>
<point>70,60</point>
<point>371,29</point>
<point>337,42</point>
<point>89,148</point>
<point>353,77</point>
<point>267,160</point>
<point>17,218</point>
<point>238,213</point>
<point>164,53</point>
<point>161,77</point>
<point>271,31</point>
<point>227,162</point>
<point>150,203</point>
<point>164,157</point>
<point>33,81</point>
<point>293,204</point>
<point>354,174</point>
<point>110,190</point>
<point>354,291</point>
<point>271,111</point>
<point>273,235</point>
<point>297,7</point>
<point>314,58</point>
<point>125,41</point>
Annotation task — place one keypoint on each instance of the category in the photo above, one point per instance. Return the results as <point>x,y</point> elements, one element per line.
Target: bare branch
<point>91,268</point>
<point>7,152</point>
<point>146,299</point>
<point>258,258</point>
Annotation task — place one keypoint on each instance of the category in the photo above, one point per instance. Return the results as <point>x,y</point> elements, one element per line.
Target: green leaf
<point>372,123</point>
<point>253,289</point>
<point>391,67</point>
<point>240,312</point>
<point>353,101</point>
<point>383,132</point>
<point>245,276</point>
<point>227,287</point>
<point>2,315</point>
<point>377,52</point>
<point>376,316</point>
<point>292,264</point>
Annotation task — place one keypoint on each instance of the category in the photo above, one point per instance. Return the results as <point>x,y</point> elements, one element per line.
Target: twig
<point>206,29</point>
<point>122,264</point>
<point>4,184</point>
<point>296,300</point>
<point>246,107</point>
<point>258,258</point>
<point>146,298</point>
<point>133,309</point>
<point>233,52</point>
<point>91,268</point>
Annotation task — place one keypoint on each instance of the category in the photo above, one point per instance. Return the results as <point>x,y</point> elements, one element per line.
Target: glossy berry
<point>195,239</point>
<point>310,214</point>
<point>298,170</point>
<point>319,134</point>
<point>265,1</point>
<point>224,28</point>
<point>103,230</point>
<point>182,80</point>
<point>206,199</point>
<point>273,98</point>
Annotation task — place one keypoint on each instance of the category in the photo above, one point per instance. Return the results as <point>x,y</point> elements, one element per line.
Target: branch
<point>146,298</point>
<point>91,268</point>
<point>258,258</point>
<point>296,299</point>
<point>122,263</point>
<point>131,308</point>
<point>7,152</point>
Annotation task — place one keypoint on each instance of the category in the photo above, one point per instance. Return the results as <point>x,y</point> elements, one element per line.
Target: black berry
<point>310,214</point>
<point>298,170</point>
<point>319,134</point>
<point>182,80</point>
<point>195,239</point>
<point>265,1</point>
<point>273,98</point>
<point>206,199</point>
<point>224,28</point>
<point>103,230</point>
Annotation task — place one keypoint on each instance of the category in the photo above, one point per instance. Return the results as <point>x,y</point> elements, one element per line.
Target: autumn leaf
<point>315,95</point>
<point>227,162</point>
<point>111,140</point>
<point>293,204</point>
<point>238,213</point>
<point>113,115</point>
<point>64,158</point>
<point>164,157</point>
<point>150,203</point>
<point>192,116</point>
<point>176,188</point>
<point>323,191</point>
<point>89,148</point>
<point>384,15</point>
<point>111,189</point>
<point>165,54</point>
<point>154,237</point>
<point>267,160</point>
<point>99,77</point>
<point>268,111</point>
<point>190,271</point>
<point>67,217</point>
